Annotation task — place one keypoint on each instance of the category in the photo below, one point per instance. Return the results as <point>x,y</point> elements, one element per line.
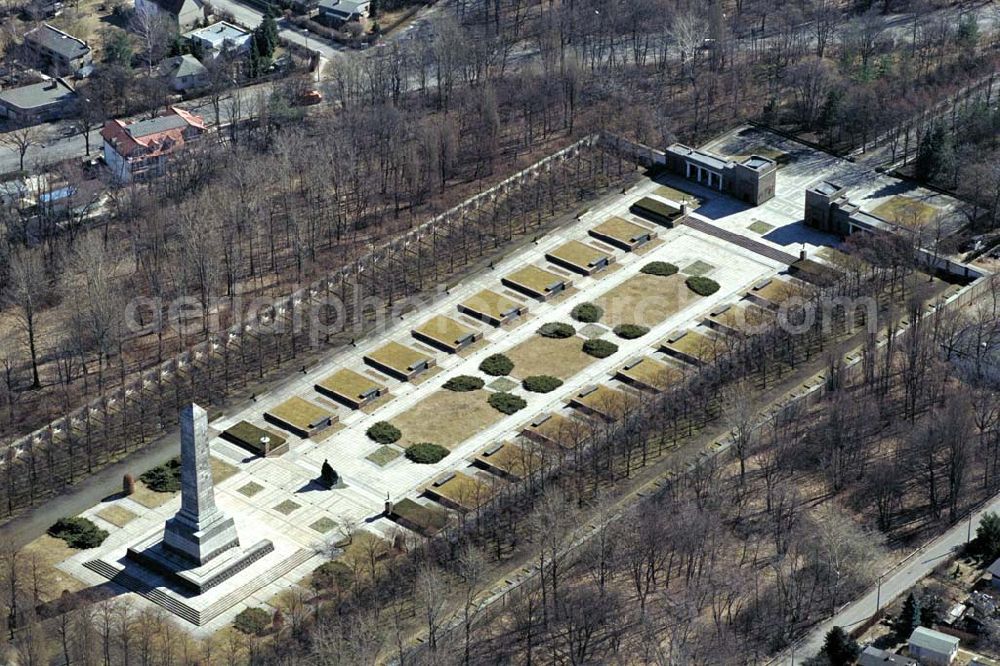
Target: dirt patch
<point>559,357</point>
<point>645,300</point>
<point>464,414</point>
<point>46,552</point>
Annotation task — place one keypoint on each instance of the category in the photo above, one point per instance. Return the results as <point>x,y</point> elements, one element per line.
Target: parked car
<point>309,98</point>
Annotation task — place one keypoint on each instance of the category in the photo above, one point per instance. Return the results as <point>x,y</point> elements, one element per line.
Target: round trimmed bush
<point>557,329</point>
<point>252,621</point>
<point>507,403</point>
<point>496,365</point>
<point>702,286</point>
<point>630,331</point>
<point>78,532</point>
<point>599,348</point>
<point>464,383</point>
<point>383,432</point>
<point>661,268</point>
<point>541,383</point>
<point>588,313</point>
<point>426,453</point>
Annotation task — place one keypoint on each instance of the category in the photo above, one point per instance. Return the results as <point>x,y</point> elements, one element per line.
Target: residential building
<point>751,179</point>
<point>994,569</point>
<point>872,656</point>
<point>38,102</point>
<point>219,38</point>
<point>63,53</point>
<point>932,648</point>
<point>339,12</point>
<point>183,73</point>
<point>184,14</point>
<point>141,150</point>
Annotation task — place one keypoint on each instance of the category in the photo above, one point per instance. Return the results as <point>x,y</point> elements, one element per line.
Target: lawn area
<point>698,268</point>
<point>383,455</point>
<point>221,470</point>
<point>446,418</point>
<point>116,515</point>
<point>760,227</point>
<point>463,491</point>
<point>678,196</point>
<point>150,498</point>
<point>697,345</point>
<point>559,357</point>
<point>46,552</point>
<point>645,300</point>
<point>287,507</point>
<point>906,212</point>
<point>364,549</point>
<point>250,489</point>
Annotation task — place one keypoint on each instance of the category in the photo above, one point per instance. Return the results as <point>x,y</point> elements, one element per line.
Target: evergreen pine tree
<point>909,619</point>
<point>986,545</point>
<point>840,648</point>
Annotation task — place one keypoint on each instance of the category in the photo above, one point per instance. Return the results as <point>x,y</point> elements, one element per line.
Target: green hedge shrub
<point>588,313</point>
<point>426,453</point>
<point>464,383</point>
<point>557,329</point>
<point>541,383</point>
<point>252,621</point>
<point>599,348</point>
<point>496,365</point>
<point>508,403</point>
<point>630,331</point>
<point>383,432</point>
<point>661,268</point>
<point>702,286</point>
<point>165,478</point>
<point>78,532</point>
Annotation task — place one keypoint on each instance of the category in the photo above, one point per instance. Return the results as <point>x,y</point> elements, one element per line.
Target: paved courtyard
<point>280,498</point>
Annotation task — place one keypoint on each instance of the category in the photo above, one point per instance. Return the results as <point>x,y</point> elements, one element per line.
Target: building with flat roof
<point>218,38</point>
<point>300,416</point>
<point>492,308</point>
<point>399,361</point>
<point>351,388</point>
<point>536,282</point>
<point>649,373</point>
<point>142,149</point>
<point>580,257</point>
<point>602,401</point>
<point>555,429</point>
<point>38,102</point>
<point>339,12</point>
<point>446,334</point>
<point>61,51</point>
<point>622,234</point>
<point>509,461</point>
<point>751,179</point>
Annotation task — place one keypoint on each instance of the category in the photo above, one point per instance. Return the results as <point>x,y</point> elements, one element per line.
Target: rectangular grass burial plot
<point>351,388</point>
<point>383,455</point>
<point>599,400</point>
<point>776,291</point>
<point>740,319</point>
<point>493,308</point>
<point>580,257</point>
<point>623,234</point>
<point>460,491</point>
<point>760,227</point>
<point>814,272</point>
<point>658,210</point>
<point>447,418</point>
<point>559,357</point>
<point>508,461</point>
<point>446,334</point>
<point>116,515</point>
<point>650,374</point>
<point>399,361</point>
<point>698,268</point>
<point>256,440</point>
<point>425,519</point>
<point>536,282</point>
<point>555,429</point>
<point>692,347</point>
<point>300,417</point>
<point>645,300</point>
<point>678,196</point>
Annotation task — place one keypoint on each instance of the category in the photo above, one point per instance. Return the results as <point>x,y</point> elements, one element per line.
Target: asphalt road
<point>249,17</point>
<point>894,583</point>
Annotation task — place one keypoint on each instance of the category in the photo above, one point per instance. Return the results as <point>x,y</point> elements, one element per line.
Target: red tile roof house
<point>141,150</point>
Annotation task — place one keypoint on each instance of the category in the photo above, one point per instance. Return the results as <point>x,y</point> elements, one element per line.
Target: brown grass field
<point>117,515</point>
<point>446,418</point>
<point>645,300</point>
<point>560,358</point>
<point>47,552</point>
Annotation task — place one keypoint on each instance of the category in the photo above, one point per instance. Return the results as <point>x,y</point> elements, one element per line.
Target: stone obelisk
<point>199,531</point>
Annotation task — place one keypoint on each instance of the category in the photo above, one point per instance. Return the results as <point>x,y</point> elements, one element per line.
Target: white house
<point>185,14</point>
<point>932,648</point>
<point>218,38</point>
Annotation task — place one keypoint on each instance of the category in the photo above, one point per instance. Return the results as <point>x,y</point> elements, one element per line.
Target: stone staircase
<point>184,611</point>
<point>741,241</point>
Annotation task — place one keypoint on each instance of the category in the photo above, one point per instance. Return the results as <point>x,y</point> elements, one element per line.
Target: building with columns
<point>751,179</point>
